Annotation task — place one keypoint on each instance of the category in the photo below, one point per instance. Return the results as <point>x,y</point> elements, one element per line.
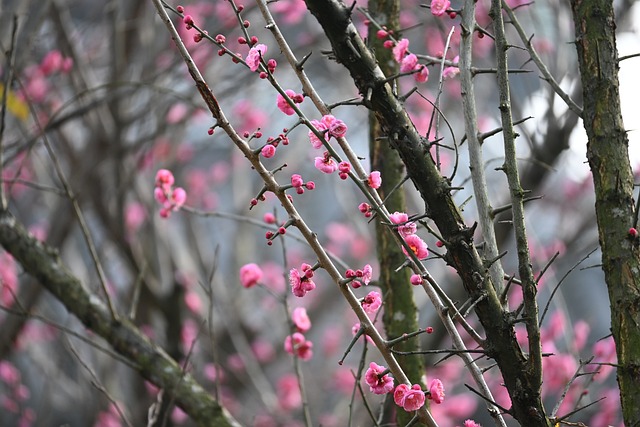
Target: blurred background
<point>102,84</point>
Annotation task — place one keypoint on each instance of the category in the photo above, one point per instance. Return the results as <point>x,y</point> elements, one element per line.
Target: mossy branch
<point>153,364</point>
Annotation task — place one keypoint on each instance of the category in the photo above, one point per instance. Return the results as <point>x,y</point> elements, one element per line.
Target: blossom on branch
<point>170,198</point>
<point>378,384</point>
<point>254,55</point>
<point>326,164</point>
<point>372,302</point>
<point>417,245</point>
<point>297,344</point>
<point>410,399</point>
<point>374,180</point>
<point>439,7</point>
<point>300,285</point>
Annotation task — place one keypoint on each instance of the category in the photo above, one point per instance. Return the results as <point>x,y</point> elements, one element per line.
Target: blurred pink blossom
<point>301,319</point>
<point>250,275</point>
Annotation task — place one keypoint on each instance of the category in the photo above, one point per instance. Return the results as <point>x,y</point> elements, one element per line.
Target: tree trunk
<point>607,152</point>
<point>400,312</point>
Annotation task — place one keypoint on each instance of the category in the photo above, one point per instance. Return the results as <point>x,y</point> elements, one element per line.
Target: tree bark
<point>400,312</point>
<point>607,152</point>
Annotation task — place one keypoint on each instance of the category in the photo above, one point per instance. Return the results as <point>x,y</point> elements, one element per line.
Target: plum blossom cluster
<point>408,61</point>
<point>360,277</point>
<point>413,398</point>
<point>298,183</point>
<point>169,197</point>
<point>328,127</point>
<point>15,394</point>
<point>409,398</point>
<point>366,209</point>
<point>296,343</point>
<point>407,230</point>
<point>301,283</point>
<point>269,149</point>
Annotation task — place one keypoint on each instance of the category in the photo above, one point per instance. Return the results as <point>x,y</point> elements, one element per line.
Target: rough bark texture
<point>150,361</point>
<point>501,344</point>
<point>400,312</point>
<point>607,152</point>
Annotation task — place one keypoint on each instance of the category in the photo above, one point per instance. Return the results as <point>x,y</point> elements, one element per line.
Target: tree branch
<point>42,262</point>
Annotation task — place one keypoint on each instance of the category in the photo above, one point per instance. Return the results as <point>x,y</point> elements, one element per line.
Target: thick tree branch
<point>351,51</point>
<point>42,262</point>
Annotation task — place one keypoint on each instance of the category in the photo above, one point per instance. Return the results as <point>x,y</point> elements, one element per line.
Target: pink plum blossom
<point>288,391</point>
<point>439,7</point>
<point>374,180</point>
<point>170,198</point>
<point>254,55</point>
<point>367,274</point>
<point>422,75</point>
<point>283,105</point>
<point>372,302</point>
<point>301,319</point>
<point>300,285</point>
<point>178,197</point>
<point>268,151</point>
<point>405,227</point>
<point>164,180</point>
<point>52,62</point>
<point>436,391</point>
<point>193,302</point>
<point>9,374</point>
<point>250,275</point>
<point>262,350</point>
<point>416,279</point>
<point>326,164</point>
<point>471,423</point>
<point>378,384</point>
<point>408,63</point>
<point>337,128</point>
<point>452,71</point>
<point>298,344</point>
<point>417,245</point>
<point>410,399</point>
<point>400,50</point>
<point>313,138</point>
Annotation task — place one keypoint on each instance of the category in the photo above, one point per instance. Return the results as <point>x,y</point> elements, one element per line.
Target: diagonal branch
<point>351,51</point>
<point>42,262</point>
